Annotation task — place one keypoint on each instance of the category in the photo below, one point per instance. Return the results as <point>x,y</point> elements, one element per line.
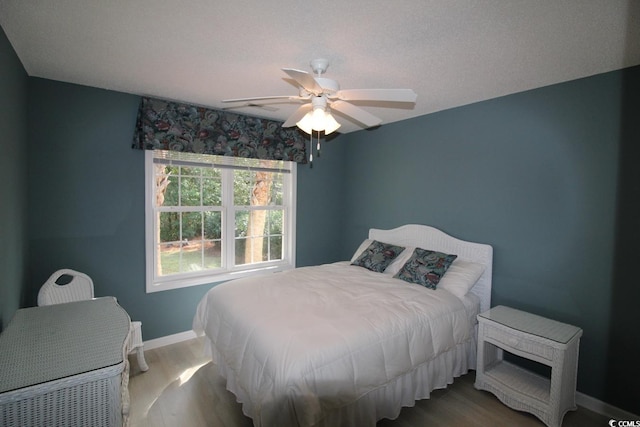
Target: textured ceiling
<point>450,52</point>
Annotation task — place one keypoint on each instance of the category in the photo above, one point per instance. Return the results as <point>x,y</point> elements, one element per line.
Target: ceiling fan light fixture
<point>318,120</point>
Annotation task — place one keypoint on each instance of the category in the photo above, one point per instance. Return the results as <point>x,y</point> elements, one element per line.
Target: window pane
<point>276,189</point>
<point>168,188</point>
<point>240,251</point>
<point>275,222</point>
<point>212,225</point>
<point>212,254</point>
<point>257,224</point>
<point>169,226</point>
<point>189,191</point>
<point>275,248</point>
<point>251,250</point>
<point>242,222</point>
<point>191,257</point>
<point>211,192</point>
<point>242,187</point>
<point>259,249</point>
<point>169,262</point>
<point>191,225</point>
<point>257,188</point>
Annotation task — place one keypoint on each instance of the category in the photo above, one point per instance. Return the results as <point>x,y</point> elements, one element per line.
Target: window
<point>212,218</point>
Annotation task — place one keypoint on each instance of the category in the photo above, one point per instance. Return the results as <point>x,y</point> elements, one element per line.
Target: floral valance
<point>166,125</point>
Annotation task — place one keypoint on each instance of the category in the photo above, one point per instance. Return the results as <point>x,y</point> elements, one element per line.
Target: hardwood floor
<point>182,388</point>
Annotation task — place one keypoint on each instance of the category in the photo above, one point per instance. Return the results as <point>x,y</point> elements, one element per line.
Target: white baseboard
<point>604,408</point>
<point>169,339</point>
<point>582,399</point>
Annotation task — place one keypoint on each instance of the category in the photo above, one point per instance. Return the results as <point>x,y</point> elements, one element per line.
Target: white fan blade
<point>250,104</point>
<point>297,115</point>
<point>258,98</point>
<point>304,79</point>
<point>346,125</point>
<point>356,113</point>
<point>393,95</point>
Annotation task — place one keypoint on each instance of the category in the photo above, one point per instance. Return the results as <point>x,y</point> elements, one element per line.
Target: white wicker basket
<point>63,365</point>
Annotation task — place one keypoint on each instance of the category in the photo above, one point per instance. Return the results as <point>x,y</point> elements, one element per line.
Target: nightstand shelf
<point>535,338</point>
<point>520,380</point>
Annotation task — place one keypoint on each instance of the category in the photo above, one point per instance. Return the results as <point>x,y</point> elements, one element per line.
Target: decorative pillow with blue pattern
<point>425,267</point>
<point>377,256</point>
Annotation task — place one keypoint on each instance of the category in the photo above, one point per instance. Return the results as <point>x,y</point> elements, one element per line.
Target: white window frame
<point>155,283</point>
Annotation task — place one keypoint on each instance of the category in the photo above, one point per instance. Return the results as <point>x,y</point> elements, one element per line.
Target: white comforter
<point>309,340</point>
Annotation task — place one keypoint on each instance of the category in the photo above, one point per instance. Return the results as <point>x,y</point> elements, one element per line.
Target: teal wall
<point>319,209</point>
<point>623,370</point>
<point>13,179</point>
<point>534,174</point>
<point>86,197</point>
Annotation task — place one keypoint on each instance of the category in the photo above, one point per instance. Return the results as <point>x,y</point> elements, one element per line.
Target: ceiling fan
<point>321,95</point>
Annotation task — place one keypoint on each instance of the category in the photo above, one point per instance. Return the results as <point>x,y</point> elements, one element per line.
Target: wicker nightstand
<point>551,343</point>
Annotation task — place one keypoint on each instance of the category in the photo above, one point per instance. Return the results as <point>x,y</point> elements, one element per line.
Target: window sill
<point>182,282</point>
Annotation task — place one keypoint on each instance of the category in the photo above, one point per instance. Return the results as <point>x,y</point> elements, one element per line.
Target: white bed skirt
<point>383,402</point>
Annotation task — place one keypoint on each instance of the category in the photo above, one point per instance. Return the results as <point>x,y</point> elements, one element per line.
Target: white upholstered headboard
<point>426,237</point>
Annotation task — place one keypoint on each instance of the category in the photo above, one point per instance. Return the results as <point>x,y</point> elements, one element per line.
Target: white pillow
<point>460,277</point>
<point>401,260</point>
<point>364,245</point>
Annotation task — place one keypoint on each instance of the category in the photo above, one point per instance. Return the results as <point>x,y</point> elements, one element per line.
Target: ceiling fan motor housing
<point>319,102</point>
<point>329,86</point>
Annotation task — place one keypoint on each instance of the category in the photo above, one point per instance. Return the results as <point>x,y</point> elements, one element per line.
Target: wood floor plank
<point>183,388</point>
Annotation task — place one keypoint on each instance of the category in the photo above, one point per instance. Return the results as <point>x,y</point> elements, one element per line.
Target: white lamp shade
<point>305,123</point>
<point>330,124</point>
<point>318,120</point>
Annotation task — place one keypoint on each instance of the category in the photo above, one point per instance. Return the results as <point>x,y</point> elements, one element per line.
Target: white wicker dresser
<point>65,365</point>
<point>532,337</point>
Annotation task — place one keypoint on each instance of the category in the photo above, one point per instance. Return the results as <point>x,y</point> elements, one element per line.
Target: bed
<point>342,345</point>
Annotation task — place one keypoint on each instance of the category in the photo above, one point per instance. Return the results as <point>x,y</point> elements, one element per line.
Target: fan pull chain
<point>318,149</point>
<point>311,150</point>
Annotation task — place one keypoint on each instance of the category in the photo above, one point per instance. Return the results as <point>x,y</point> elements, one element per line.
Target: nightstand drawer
<point>519,342</point>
